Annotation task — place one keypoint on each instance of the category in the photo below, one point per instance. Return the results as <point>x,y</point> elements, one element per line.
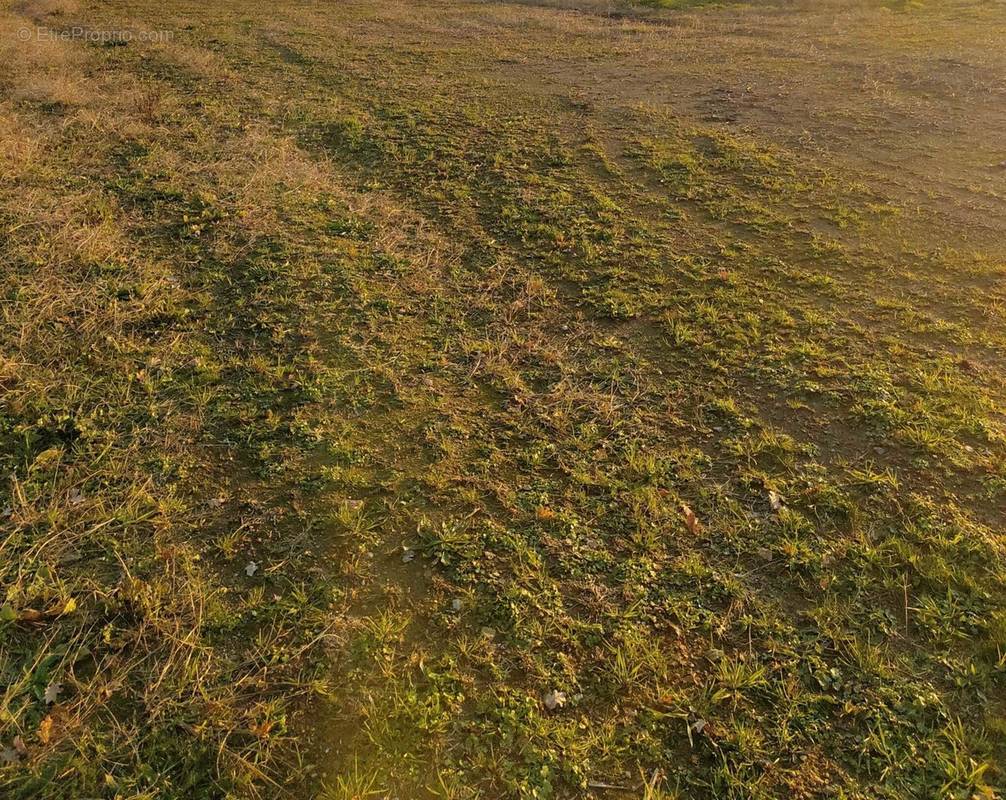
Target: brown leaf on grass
<point>544,513</point>
<point>691,521</point>
<point>33,616</point>
<point>45,729</point>
<point>262,729</point>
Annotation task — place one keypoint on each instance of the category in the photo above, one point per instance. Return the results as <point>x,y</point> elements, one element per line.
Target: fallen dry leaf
<point>52,692</point>
<point>691,521</point>
<point>45,729</point>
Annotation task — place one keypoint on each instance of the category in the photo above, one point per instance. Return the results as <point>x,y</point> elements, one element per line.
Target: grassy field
<point>502,400</point>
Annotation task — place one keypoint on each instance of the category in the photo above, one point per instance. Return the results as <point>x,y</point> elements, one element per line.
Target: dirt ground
<point>912,101</point>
